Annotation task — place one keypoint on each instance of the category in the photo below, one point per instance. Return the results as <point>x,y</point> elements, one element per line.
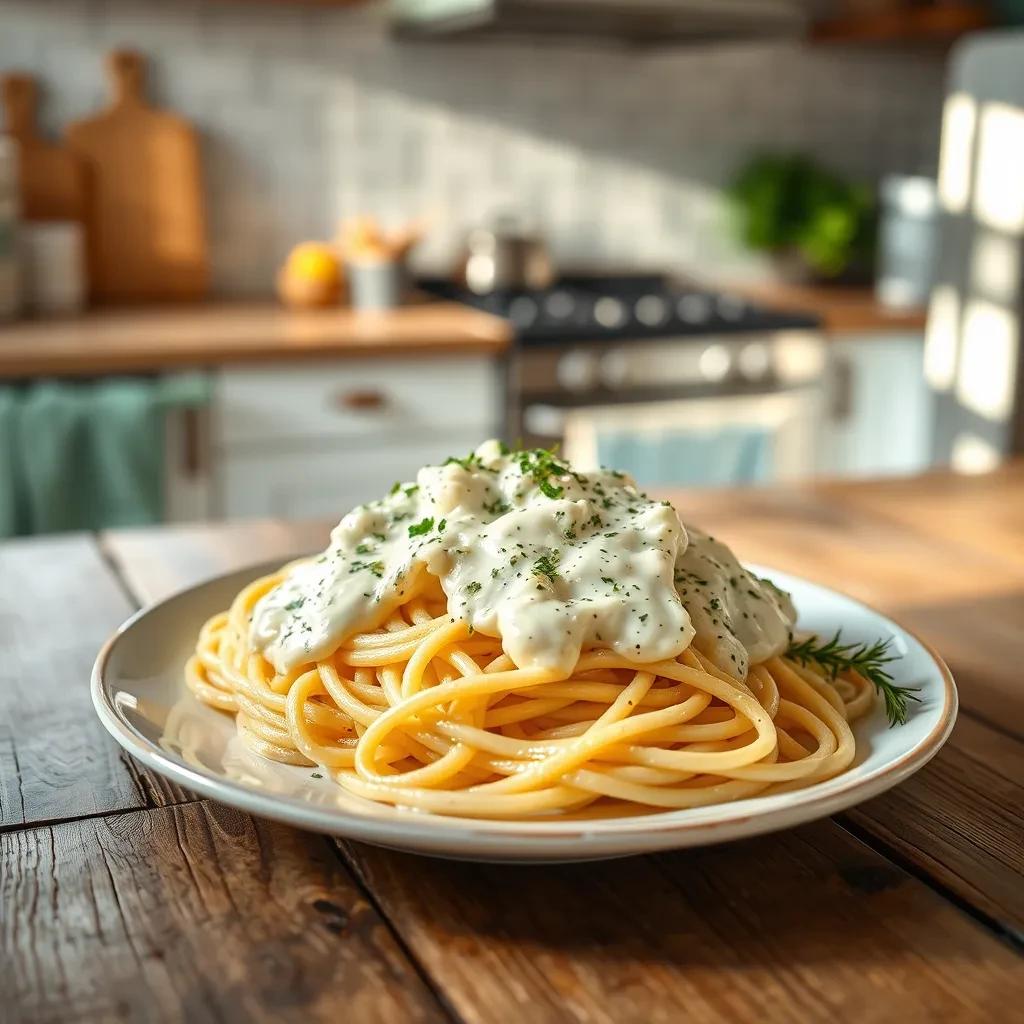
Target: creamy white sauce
<point>552,562</point>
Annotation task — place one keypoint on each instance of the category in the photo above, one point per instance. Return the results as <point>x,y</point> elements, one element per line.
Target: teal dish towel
<point>698,458</point>
<point>81,455</point>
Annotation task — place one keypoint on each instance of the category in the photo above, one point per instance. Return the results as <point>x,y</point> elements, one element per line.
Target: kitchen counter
<point>842,309</point>
<point>157,338</point>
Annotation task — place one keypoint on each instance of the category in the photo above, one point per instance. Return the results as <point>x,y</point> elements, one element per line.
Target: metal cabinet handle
<point>365,399</point>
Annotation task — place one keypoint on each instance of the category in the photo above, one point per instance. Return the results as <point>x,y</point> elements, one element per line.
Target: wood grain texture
<point>808,925</point>
<point>960,822</point>
<point>58,603</point>
<point>196,913</point>
<point>218,334</point>
<point>155,561</point>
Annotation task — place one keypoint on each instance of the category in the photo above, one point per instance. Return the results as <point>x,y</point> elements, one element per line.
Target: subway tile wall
<point>308,115</point>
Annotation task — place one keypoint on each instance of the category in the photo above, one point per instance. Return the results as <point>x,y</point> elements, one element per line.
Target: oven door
<point>713,441</point>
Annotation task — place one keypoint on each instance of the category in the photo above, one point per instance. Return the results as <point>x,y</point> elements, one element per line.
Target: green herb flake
<point>423,527</point>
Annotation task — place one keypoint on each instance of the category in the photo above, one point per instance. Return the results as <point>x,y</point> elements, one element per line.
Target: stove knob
<point>754,360</point>
<point>610,313</point>
<point>523,311</point>
<point>651,310</point>
<point>559,305</point>
<point>715,363</point>
<point>730,307</point>
<point>577,370</point>
<point>694,309</point>
<point>614,368</point>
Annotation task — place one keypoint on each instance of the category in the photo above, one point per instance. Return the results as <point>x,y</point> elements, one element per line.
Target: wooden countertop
<point>156,338</point>
<point>125,896</point>
<point>843,310</point>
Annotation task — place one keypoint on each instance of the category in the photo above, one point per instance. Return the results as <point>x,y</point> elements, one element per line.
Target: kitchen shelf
<point>940,24</point>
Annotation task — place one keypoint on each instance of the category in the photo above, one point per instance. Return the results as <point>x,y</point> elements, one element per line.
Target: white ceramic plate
<point>140,695</point>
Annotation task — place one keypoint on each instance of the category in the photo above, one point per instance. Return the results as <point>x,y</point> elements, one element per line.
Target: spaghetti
<point>422,704</point>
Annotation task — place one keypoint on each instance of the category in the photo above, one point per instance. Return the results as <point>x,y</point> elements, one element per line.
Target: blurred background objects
<point>262,257</point>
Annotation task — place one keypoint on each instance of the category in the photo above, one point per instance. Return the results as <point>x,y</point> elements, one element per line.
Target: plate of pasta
<point>507,659</point>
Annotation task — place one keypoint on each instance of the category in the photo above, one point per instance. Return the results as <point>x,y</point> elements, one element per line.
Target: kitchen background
<point>308,115</point>
<point>784,336</point>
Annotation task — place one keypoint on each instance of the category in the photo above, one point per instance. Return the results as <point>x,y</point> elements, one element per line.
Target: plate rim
<point>439,834</point>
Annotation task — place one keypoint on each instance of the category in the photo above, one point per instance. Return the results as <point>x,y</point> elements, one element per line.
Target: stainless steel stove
<point>649,355</point>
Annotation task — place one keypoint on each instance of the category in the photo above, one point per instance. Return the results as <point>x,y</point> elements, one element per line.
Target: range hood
<point>638,22</point>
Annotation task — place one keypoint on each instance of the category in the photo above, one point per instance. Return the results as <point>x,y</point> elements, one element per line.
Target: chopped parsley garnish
<point>364,549</point>
<point>441,525</point>
<point>469,463</point>
<point>541,464</point>
<point>498,507</point>
<point>377,568</point>
<point>424,526</point>
<point>294,606</point>
<point>546,567</point>
<point>473,588</point>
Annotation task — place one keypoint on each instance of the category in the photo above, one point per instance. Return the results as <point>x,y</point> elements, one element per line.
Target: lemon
<point>314,261</point>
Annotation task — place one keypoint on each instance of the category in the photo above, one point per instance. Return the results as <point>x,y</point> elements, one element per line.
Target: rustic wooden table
<point>124,897</point>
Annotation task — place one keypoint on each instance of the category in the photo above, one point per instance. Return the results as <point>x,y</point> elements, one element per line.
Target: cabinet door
<point>882,411</point>
<point>328,480</point>
<point>368,399</point>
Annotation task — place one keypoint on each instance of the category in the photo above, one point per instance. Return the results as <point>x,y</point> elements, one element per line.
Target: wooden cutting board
<point>144,213</point>
<point>52,178</point>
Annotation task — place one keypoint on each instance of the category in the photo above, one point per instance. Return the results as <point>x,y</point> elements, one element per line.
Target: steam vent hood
<point>631,22</point>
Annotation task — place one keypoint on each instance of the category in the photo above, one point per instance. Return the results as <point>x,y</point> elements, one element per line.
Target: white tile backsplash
<point>308,115</point>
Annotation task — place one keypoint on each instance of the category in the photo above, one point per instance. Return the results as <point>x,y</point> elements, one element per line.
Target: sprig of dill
<point>869,660</point>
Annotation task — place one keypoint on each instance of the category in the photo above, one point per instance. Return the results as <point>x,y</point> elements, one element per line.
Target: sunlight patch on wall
<point>942,337</point>
<point>995,267</point>
<point>957,147</point>
<point>988,360</point>
<point>973,454</point>
<point>998,196</point>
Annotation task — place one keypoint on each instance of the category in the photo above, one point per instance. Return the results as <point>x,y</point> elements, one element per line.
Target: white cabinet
<point>881,408</point>
<point>314,440</point>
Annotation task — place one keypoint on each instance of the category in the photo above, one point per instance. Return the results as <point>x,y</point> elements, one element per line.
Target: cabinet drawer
<point>389,398</point>
<point>327,482</point>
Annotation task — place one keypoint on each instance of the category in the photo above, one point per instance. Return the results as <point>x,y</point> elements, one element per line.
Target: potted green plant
<point>816,225</point>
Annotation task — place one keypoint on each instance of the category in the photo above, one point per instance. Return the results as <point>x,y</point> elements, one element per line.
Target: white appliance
<point>973,359</point>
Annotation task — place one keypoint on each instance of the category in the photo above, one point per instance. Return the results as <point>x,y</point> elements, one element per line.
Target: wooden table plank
<point>960,821</point>
<point>807,925</point>
<point>193,913</point>
<point>58,603</point>
<point>156,561</point>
